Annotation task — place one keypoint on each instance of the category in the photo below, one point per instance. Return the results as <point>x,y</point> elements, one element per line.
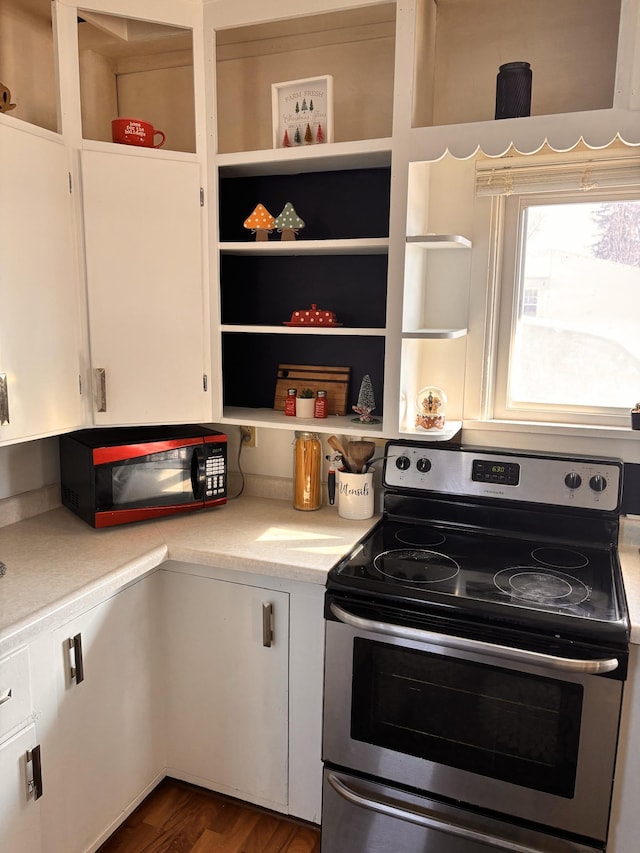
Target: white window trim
<point>499,341</point>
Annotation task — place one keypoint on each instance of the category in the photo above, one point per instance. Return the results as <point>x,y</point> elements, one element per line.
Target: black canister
<point>513,90</point>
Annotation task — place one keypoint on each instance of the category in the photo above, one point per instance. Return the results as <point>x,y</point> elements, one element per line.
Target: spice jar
<point>290,403</point>
<point>307,470</point>
<point>320,409</point>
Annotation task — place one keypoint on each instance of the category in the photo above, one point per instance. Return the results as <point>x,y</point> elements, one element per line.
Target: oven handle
<point>465,644</point>
<point>389,808</point>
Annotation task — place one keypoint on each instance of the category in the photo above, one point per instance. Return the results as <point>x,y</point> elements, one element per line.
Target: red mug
<point>134,131</point>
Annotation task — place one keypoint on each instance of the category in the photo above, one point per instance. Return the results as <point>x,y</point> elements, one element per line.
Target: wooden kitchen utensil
<point>359,453</point>
<point>335,443</point>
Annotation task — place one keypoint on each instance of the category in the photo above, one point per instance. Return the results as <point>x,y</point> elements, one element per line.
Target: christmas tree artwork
<point>304,104</point>
<point>296,137</point>
<point>288,222</point>
<point>311,105</point>
<point>286,142</point>
<point>297,107</point>
<point>261,222</point>
<point>319,134</point>
<point>366,403</point>
<point>308,137</point>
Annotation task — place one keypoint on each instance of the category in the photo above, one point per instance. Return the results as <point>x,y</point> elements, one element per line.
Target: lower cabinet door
<point>104,747</point>
<point>226,655</point>
<point>19,810</point>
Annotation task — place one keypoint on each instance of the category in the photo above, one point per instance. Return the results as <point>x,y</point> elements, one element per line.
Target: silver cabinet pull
<point>5,695</point>
<point>100,375</point>
<point>76,667</point>
<point>267,624</point>
<point>34,779</point>
<point>418,635</point>
<point>423,818</point>
<point>4,399</point>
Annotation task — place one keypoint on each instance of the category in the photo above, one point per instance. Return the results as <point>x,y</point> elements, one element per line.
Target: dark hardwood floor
<point>180,818</point>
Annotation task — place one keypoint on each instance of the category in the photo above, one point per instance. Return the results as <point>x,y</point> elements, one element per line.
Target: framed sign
<point>302,112</point>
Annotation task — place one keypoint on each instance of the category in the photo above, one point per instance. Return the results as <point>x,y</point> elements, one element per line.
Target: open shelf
<point>355,46</point>
<point>337,331</point>
<point>344,425</point>
<point>435,334</point>
<point>364,154</point>
<point>139,69</point>
<point>449,431</point>
<point>440,241</point>
<point>28,63</point>
<point>363,246</point>
<point>572,47</point>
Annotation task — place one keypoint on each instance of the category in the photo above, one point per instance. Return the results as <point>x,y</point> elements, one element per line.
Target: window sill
<point>536,436</point>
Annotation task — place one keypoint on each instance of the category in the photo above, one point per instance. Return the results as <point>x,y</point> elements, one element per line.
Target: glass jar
<point>307,471</point>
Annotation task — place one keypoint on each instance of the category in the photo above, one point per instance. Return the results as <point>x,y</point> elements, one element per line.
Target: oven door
<point>363,815</point>
<point>468,721</point>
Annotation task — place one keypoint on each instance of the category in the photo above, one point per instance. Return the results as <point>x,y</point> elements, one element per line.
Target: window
<point>567,345</point>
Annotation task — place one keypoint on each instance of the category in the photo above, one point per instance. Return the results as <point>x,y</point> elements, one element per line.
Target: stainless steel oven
<point>476,651</point>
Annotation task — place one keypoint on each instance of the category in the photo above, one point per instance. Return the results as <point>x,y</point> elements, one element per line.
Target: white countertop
<point>58,566</point>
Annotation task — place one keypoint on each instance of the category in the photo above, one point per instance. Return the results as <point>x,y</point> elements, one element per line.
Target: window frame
<point>501,342</point>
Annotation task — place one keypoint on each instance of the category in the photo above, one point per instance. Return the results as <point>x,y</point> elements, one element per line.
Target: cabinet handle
<point>4,399</point>
<point>34,780</point>
<point>267,624</point>
<point>76,669</point>
<point>100,375</point>
<point>5,695</point>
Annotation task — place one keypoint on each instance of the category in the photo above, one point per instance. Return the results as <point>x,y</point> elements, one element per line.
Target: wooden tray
<point>333,380</point>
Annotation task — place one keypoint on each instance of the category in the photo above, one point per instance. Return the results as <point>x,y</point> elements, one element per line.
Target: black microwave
<point>116,475</point>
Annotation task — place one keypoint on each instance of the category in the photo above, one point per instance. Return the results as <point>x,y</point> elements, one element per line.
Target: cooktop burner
<point>535,585</point>
<point>416,566</point>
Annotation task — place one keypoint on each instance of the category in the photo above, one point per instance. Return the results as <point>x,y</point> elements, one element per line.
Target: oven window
<point>511,726</point>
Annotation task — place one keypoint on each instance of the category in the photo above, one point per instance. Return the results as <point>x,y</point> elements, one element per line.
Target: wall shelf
<point>337,331</point>
<point>344,425</point>
<point>435,334</point>
<point>367,246</point>
<point>439,241</point>
<point>449,431</point>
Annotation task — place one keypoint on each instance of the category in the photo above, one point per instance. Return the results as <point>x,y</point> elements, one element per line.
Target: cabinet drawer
<point>15,691</point>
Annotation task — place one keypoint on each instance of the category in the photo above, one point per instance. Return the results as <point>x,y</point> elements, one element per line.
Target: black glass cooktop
<point>521,581</point>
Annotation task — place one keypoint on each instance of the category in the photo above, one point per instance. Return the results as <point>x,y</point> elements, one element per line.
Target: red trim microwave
<point>113,476</point>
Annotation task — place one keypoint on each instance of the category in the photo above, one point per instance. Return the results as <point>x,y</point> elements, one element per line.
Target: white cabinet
<point>19,811</point>
<point>147,307</point>
<point>102,737</point>
<point>40,332</point>
<point>226,657</point>
<point>19,801</point>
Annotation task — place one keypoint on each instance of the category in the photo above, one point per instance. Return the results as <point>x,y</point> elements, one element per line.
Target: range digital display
<point>502,473</point>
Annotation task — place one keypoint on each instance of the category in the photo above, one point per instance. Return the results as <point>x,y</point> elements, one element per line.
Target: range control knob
<point>423,465</point>
<point>403,462</point>
<point>573,480</point>
<point>598,483</point>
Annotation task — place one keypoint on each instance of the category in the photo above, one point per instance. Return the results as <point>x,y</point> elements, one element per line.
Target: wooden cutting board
<point>333,380</point>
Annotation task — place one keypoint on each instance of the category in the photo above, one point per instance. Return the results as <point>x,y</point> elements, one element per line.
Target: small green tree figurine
<point>366,403</point>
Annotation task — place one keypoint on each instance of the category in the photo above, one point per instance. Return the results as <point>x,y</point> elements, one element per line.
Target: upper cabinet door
<point>40,338</point>
<point>147,303</point>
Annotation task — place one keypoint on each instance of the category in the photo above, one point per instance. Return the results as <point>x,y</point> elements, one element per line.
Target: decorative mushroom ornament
<point>261,222</point>
<point>288,222</point>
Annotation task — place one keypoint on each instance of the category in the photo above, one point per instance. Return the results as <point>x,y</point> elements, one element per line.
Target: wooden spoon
<point>335,444</point>
<point>359,453</point>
